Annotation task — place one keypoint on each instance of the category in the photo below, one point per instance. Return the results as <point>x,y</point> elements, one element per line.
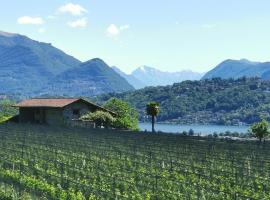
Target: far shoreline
<point>195,124</point>
<point>202,129</point>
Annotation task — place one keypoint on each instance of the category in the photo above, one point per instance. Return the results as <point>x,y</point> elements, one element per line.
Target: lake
<point>202,129</point>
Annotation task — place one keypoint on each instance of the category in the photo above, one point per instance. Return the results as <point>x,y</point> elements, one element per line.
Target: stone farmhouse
<point>55,111</point>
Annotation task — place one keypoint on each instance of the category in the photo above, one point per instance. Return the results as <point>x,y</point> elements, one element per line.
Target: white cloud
<point>30,20</point>
<point>73,9</point>
<point>114,31</point>
<point>42,30</point>
<point>78,23</point>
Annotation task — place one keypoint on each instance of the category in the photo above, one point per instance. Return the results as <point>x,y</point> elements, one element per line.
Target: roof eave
<point>18,106</point>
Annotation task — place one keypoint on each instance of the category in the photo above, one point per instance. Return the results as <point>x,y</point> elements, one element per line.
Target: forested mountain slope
<point>88,79</point>
<point>214,101</point>
<point>30,68</point>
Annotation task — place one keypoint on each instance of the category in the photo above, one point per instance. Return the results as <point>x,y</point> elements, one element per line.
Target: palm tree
<point>152,109</point>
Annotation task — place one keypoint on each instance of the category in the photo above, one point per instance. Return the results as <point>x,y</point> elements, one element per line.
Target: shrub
<point>100,118</point>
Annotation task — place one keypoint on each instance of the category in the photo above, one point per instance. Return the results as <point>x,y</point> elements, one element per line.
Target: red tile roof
<point>54,103</point>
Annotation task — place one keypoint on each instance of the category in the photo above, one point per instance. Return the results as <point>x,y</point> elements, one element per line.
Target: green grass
<point>63,163</point>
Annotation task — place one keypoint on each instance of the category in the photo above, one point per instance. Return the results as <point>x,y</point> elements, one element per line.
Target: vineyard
<point>39,162</point>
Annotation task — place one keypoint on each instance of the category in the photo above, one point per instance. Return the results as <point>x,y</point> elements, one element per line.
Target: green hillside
<point>39,162</point>
<point>213,101</point>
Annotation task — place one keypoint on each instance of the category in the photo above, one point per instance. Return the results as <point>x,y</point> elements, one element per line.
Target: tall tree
<point>260,129</point>
<point>152,109</point>
<point>127,116</point>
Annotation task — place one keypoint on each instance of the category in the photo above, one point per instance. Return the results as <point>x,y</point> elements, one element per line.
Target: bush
<point>100,118</point>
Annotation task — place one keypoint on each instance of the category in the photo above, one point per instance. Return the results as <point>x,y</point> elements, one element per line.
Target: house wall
<point>54,116</point>
<point>51,116</point>
<point>81,107</point>
<point>26,115</point>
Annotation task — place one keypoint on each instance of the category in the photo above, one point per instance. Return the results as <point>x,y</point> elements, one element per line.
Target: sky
<point>170,35</point>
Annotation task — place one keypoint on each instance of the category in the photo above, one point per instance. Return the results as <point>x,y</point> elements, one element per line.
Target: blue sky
<point>170,35</point>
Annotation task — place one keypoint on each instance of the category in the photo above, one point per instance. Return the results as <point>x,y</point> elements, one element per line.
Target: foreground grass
<point>60,163</point>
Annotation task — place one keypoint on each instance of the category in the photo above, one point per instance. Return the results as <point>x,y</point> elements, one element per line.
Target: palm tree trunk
<point>153,123</point>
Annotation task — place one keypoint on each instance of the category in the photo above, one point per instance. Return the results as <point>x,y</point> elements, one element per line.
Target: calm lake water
<point>202,129</point>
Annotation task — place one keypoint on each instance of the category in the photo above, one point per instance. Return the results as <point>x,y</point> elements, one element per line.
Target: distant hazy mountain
<point>152,77</point>
<point>31,68</point>
<point>239,68</point>
<point>89,78</point>
<point>137,84</point>
<point>149,76</point>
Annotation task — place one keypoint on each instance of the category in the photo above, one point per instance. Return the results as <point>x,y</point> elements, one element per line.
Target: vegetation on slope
<point>216,101</point>
<point>65,163</point>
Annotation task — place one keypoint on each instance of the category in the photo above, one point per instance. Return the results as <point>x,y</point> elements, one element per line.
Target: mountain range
<point>32,68</point>
<point>149,76</point>
<point>239,68</point>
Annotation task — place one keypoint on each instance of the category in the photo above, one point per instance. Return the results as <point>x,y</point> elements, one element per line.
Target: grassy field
<point>38,162</point>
